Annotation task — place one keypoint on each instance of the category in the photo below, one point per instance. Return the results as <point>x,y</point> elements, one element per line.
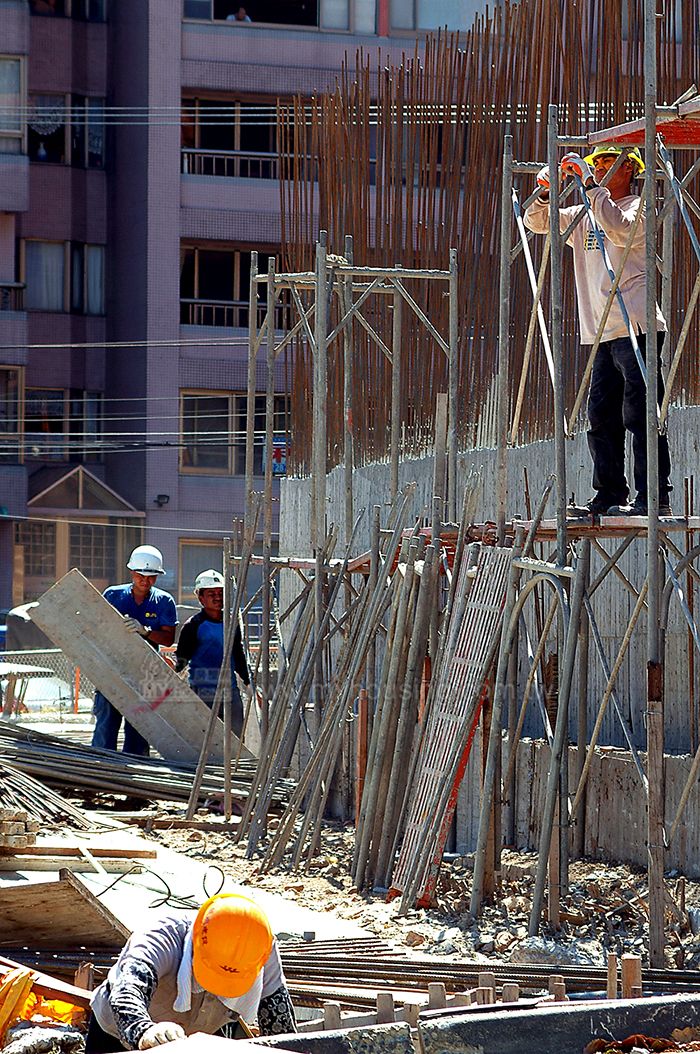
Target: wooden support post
<point>386,1013</point>
<point>486,979</point>
<point>437,995</point>
<point>410,1013</point>
<point>611,989</point>
<point>250,404</point>
<point>331,1016</point>
<point>553,980</point>
<point>631,974</point>
<point>440,449</point>
<point>462,998</point>
<point>396,359</point>
<point>511,992</point>
<point>559,992</point>
<point>485,996</point>
<point>84,976</point>
<point>361,749</point>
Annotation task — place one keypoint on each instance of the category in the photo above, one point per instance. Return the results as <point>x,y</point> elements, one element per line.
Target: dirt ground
<point>605,909</point>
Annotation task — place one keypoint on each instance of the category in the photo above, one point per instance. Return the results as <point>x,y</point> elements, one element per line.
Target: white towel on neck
<point>246,1005</point>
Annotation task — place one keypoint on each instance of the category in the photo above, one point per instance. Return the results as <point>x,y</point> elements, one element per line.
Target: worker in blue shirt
<point>152,614</point>
<point>201,647</point>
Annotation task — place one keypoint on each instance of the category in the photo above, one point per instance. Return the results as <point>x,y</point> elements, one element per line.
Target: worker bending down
<point>201,647</point>
<point>183,976</point>
<point>617,394</point>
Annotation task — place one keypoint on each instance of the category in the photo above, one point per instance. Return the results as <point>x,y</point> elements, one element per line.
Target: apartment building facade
<point>138,171</point>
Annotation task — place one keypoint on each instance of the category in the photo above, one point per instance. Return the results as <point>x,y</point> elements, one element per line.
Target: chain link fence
<point>63,686</point>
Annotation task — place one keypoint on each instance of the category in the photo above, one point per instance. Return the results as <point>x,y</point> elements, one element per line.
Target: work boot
<point>595,506</point>
<point>639,507</point>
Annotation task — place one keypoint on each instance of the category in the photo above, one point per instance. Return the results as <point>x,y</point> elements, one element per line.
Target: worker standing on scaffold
<point>617,394</point>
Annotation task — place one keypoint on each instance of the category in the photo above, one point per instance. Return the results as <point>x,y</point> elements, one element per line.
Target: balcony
<point>226,314</point>
<point>11,296</point>
<point>229,164</point>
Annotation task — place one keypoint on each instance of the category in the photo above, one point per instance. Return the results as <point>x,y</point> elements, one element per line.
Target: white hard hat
<point>210,579</point>
<point>146,559</point>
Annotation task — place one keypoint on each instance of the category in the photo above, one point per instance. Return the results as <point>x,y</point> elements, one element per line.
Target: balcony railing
<point>229,314</point>
<point>11,296</point>
<point>232,164</point>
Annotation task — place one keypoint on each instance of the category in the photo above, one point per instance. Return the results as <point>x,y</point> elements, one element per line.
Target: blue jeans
<point>108,721</point>
<point>617,402</point>
<point>206,693</point>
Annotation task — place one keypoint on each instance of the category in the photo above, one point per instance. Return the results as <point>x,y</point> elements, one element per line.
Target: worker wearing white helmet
<point>152,614</point>
<point>201,646</point>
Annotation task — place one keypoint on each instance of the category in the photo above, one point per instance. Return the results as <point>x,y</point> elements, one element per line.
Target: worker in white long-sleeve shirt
<point>182,976</point>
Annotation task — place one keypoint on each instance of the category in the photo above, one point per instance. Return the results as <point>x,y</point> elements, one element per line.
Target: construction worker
<point>617,394</point>
<point>182,976</point>
<point>152,614</point>
<point>201,647</point>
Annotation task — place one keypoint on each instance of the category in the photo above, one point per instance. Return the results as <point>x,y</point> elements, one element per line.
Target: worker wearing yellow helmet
<point>617,393</point>
<point>183,975</point>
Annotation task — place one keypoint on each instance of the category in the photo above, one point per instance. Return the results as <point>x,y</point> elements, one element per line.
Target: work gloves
<point>543,178</point>
<point>161,1032</point>
<point>574,165</point>
<point>134,626</point>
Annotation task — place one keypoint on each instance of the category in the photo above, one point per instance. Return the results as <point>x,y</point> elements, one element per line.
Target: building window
<point>12,101</point>
<point>87,279</point>
<point>45,275</point>
<point>50,121</point>
<point>39,543</point>
<point>45,269</point>
<point>45,424</point>
<point>206,423</point>
<point>226,137</point>
<point>46,133</point>
<point>215,287</point>
<point>92,550</point>
<point>90,10</point>
<point>10,411</point>
<point>213,434</point>
<point>276,12</point>
<point>87,132</point>
<point>85,425</point>
<point>196,555</point>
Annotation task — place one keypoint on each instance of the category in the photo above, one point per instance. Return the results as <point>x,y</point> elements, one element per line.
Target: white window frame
<point>21,132</point>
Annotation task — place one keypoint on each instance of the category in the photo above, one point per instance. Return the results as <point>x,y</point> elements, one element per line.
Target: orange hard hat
<point>231,941</point>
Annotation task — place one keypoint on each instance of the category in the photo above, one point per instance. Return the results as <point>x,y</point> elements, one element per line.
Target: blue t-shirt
<point>157,610</point>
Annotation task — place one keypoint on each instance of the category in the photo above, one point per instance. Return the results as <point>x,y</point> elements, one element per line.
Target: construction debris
<point>87,769</point>
<point>20,794</point>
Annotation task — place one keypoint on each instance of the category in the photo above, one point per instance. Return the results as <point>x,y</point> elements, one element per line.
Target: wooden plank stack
<point>17,830</point>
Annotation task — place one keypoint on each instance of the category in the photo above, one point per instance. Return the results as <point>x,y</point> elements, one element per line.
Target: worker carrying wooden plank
<point>200,647</point>
<point>183,975</point>
<point>152,614</point>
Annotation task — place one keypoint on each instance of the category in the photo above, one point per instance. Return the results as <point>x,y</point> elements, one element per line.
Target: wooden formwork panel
<point>127,670</point>
<point>455,704</point>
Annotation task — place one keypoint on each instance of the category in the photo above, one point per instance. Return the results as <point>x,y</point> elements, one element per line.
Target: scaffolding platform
<point>679,128</point>
<point>608,526</point>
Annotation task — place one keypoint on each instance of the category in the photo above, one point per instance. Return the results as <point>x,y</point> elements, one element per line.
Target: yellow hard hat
<point>231,942</point>
<point>607,151</point>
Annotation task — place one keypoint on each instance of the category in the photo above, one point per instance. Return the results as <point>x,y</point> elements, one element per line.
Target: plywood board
<point>61,914</point>
<point>127,670</point>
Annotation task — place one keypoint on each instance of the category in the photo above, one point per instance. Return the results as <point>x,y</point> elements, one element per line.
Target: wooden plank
<point>160,823</point>
<point>127,670</point>
<point>60,914</point>
<point>51,987</point>
<point>106,865</point>
<point>49,849</point>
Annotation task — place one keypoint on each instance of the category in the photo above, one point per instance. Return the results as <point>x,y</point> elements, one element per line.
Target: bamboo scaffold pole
<point>320,413</point>
<point>556,265</point>
<point>655,670</point>
<point>504,341</point>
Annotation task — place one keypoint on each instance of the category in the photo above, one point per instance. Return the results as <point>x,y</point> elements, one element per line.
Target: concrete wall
<point>612,603</point>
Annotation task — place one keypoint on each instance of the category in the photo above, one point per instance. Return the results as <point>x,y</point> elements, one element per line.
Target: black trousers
<point>617,402</point>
